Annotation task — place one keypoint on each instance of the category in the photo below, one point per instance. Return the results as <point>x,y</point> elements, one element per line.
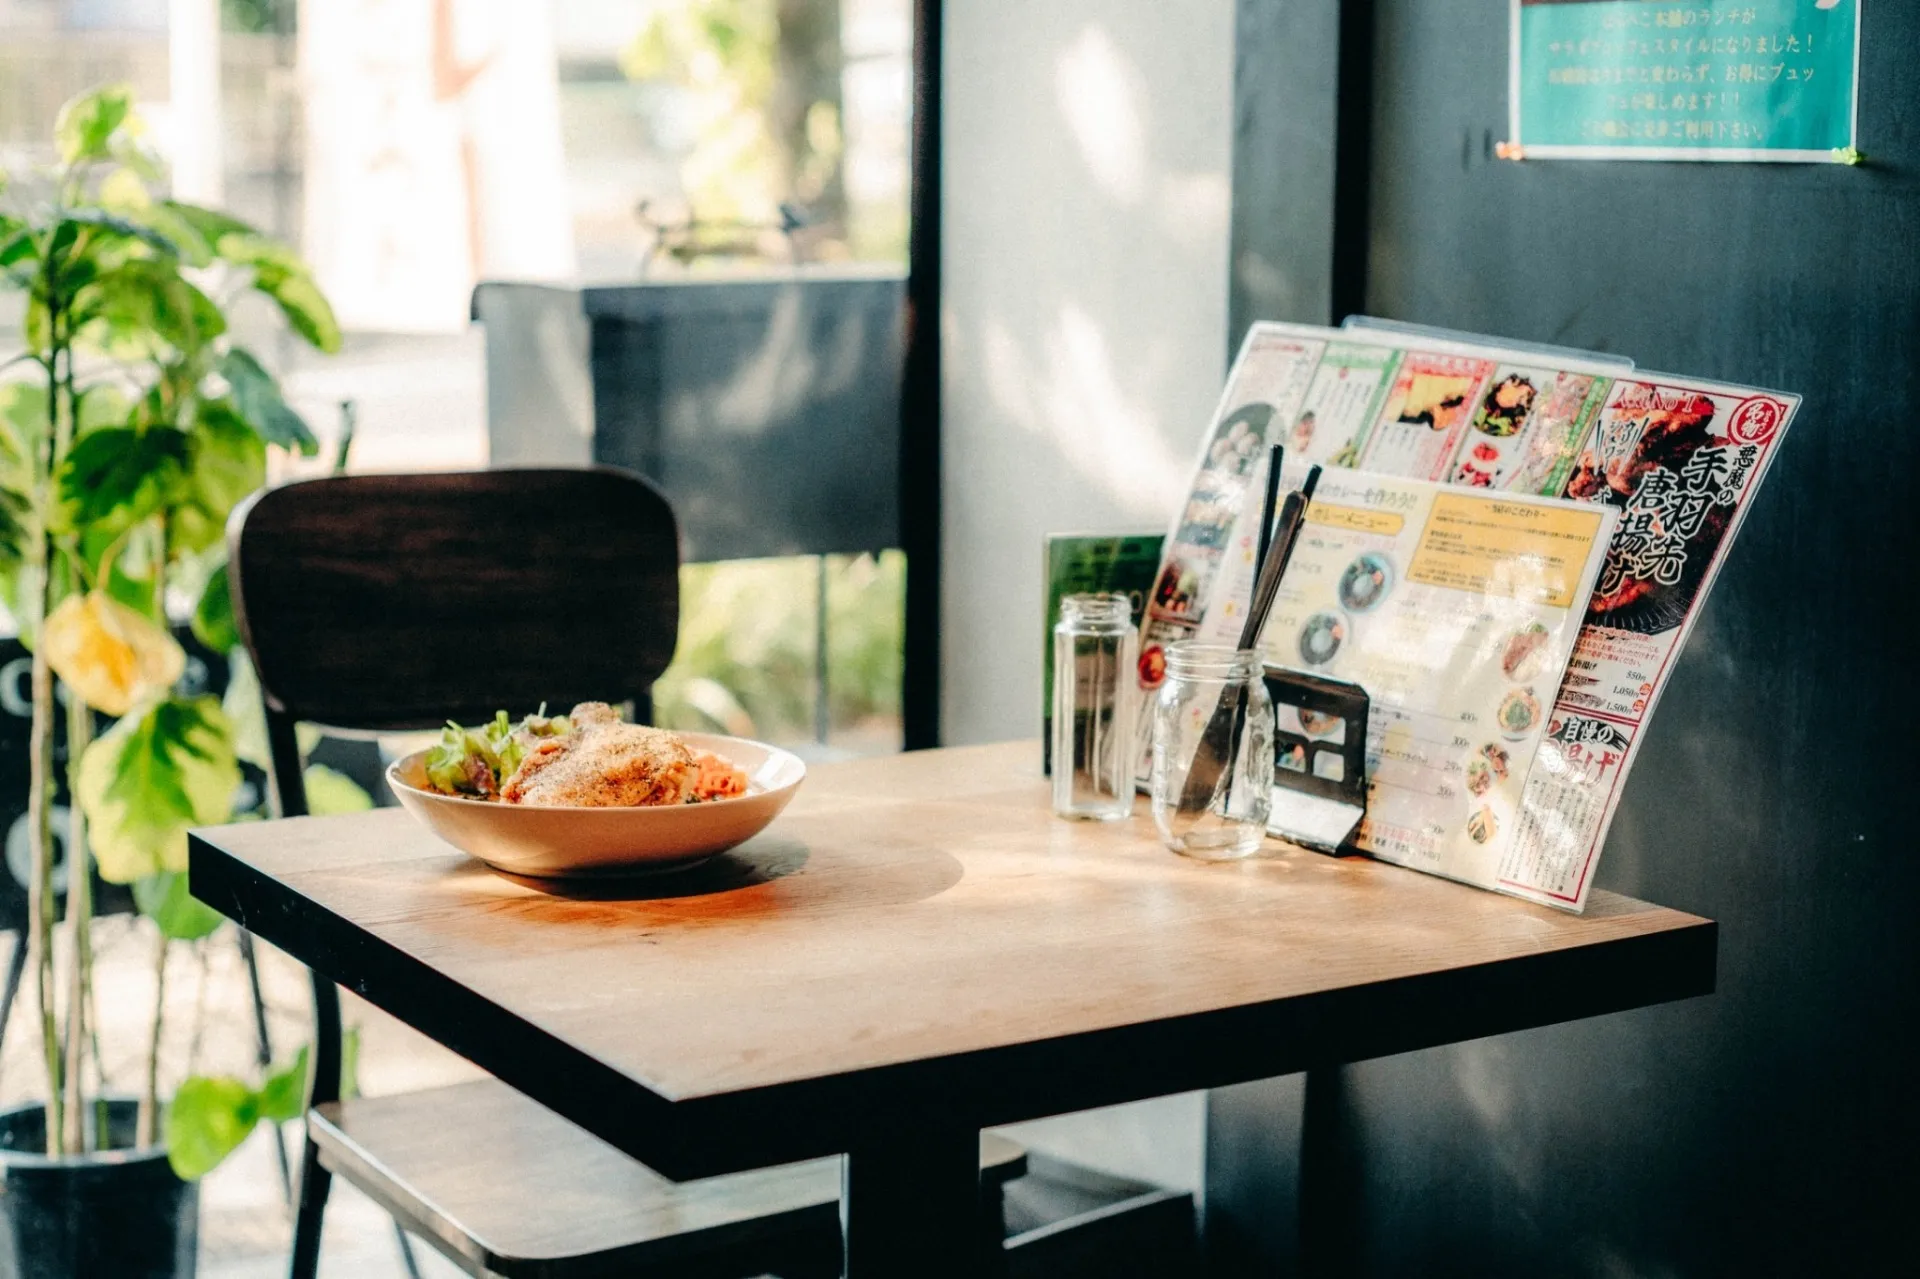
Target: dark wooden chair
<point>382,602</point>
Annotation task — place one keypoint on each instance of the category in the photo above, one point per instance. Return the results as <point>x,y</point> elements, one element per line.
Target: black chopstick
<point>1267,588</point>
<point>1204,773</point>
<point>1275,457</point>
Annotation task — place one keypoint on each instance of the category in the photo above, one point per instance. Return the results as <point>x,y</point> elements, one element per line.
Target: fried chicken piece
<point>592,715</point>
<point>603,763</point>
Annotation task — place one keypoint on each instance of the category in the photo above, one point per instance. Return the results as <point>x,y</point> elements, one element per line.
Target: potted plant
<point>130,425</point>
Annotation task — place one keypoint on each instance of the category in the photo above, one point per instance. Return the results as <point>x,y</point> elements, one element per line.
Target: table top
<point>918,934</point>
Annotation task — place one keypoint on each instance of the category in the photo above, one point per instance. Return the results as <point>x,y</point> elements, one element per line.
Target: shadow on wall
<point>1090,362</point>
<point>1086,201</point>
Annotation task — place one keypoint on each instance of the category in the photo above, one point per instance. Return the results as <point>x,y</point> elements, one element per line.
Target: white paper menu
<point>1456,611</point>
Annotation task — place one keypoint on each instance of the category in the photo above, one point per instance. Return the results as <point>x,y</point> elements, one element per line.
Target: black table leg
<point>910,1206</point>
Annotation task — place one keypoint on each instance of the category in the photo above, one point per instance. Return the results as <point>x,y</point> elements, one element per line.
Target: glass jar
<point>1095,707</point>
<point>1228,819</point>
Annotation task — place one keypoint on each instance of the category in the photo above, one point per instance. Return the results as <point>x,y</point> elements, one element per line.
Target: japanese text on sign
<point>1638,79</point>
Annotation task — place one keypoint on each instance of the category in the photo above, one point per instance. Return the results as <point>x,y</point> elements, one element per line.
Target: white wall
<point>1085,281</point>
<point>1087,151</point>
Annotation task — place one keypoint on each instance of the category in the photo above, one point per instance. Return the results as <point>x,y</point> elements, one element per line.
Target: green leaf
<point>226,462</point>
<point>304,305</point>
<point>350,1064</point>
<point>246,710</point>
<point>114,227</point>
<point>14,537</point>
<point>213,226</point>
<point>15,513</point>
<point>16,241</point>
<point>124,193</point>
<point>127,586</point>
<point>256,395</point>
<point>213,623</point>
<point>144,309</point>
<point>139,158</point>
<point>24,584</point>
<point>23,433</point>
<point>330,793</point>
<point>163,898</point>
<point>85,126</point>
<point>163,219</point>
<point>279,273</point>
<point>37,327</point>
<point>209,1117</point>
<point>130,579</point>
<point>149,778</point>
<point>283,1094</point>
<point>101,405</point>
<point>117,476</point>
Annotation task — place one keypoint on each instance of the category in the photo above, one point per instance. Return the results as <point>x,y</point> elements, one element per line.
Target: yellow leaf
<point>124,192</point>
<point>112,656</point>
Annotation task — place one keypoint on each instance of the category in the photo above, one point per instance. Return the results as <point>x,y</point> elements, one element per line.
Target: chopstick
<point>1292,516</point>
<point>1229,713</point>
<point>1268,586</point>
<point>1275,457</point>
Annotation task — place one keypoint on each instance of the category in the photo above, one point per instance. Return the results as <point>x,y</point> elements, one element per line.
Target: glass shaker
<point>1227,818</point>
<point>1095,707</point>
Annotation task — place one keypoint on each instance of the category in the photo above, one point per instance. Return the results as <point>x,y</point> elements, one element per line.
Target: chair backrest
<point>402,601</point>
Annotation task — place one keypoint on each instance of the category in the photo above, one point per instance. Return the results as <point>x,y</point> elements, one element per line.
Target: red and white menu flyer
<point>1678,459</point>
<point>1681,460</point>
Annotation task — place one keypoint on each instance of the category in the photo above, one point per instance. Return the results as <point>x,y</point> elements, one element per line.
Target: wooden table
<point>915,950</point>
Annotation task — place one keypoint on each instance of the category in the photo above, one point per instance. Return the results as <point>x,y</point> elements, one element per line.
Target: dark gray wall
<point>1769,1129</point>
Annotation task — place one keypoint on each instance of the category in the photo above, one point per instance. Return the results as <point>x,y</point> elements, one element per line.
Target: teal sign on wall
<point>1710,80</point>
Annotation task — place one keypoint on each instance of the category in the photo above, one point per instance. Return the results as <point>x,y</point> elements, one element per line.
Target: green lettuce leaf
<point>477,761</point>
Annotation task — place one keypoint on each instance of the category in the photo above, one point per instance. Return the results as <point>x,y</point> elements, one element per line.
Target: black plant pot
<point>118,1213</point>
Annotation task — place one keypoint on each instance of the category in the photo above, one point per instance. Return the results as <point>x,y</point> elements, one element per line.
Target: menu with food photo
<point>1527,429</point>
<point>1678,458</point>
<point>1209,550</point>
<point>1341,403</point>
<point>1431,401</point>
<point>1456,611</point>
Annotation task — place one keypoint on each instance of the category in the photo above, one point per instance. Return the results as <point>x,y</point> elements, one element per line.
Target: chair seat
<point>500,1183</point>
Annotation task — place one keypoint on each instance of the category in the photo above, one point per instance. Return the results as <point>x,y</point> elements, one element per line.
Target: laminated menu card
<point>1456,611</point>
<point>1676,459</point>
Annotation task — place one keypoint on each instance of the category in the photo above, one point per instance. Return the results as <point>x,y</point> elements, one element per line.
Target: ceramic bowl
<point>552,842</point>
